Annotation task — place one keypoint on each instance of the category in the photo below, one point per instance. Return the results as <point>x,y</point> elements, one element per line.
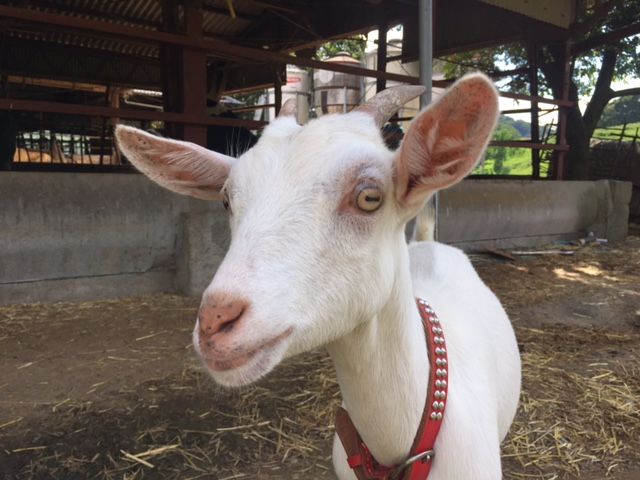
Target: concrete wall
<point>66,236</point>
<point>476,214</point>
<point>81,236</point>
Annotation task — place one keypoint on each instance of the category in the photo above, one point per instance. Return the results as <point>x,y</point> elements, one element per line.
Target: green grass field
<point>613,133</point>
<point>518,162</point>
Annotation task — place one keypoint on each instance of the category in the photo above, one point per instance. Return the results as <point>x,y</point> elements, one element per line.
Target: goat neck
<point>383,369</point>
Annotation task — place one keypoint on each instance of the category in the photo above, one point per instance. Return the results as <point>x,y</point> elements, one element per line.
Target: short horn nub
<point>385,104</point>
<point>289,108</point>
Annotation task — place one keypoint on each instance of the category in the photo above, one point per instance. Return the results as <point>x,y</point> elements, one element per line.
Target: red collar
<point>418,463</point>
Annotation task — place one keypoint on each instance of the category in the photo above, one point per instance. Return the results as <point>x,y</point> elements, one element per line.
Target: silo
<point>335,92</point>
<point>298,88</point>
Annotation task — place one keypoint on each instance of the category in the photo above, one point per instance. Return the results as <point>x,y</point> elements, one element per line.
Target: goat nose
<point>220,314</point>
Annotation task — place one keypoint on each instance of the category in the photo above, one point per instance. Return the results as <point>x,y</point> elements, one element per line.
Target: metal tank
<point>298,87</point>
<point>336,92</point>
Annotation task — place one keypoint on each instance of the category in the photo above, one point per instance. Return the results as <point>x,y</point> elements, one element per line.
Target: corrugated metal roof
<point>217,22</point>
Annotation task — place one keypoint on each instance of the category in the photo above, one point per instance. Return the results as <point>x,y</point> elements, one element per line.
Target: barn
<point>101,271</point>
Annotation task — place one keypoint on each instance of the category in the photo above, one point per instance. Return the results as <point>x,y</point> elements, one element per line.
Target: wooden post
<point>532,56</point>
<point>277,91</point>
<point>194,77</point>
<point>114,102</point>
<point>171,65</point>
<point>381,66</point>
<point>561,137</point>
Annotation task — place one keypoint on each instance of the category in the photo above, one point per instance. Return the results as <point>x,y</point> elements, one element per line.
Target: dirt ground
<point>112,389</point>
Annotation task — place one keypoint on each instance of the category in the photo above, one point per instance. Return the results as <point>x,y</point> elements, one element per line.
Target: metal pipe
<point>425,58</point>
<point>381,64</point>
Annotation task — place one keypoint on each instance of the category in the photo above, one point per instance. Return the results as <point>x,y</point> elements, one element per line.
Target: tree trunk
<point>577,159</point>
<point>578,156</point>
<point>580,127</point>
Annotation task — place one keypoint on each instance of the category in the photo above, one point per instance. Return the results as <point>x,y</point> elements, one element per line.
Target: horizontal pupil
<point>371,199</point>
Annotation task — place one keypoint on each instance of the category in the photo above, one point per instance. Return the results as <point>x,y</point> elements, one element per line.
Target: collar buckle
<point>424,457</point>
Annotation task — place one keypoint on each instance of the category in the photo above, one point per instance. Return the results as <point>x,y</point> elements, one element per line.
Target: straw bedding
<point>160,416</point>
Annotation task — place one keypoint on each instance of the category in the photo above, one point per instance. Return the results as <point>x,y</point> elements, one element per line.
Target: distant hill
<point>522,127</point>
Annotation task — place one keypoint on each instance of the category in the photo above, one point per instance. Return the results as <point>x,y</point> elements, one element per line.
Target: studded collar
<point>418,464</point>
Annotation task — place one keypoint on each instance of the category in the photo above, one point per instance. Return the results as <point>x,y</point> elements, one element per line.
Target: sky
<point>506,103</point>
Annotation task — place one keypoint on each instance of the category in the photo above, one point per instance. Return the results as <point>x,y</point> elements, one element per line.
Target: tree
<point>523,128</point>
<point>353,46</point>
<point>605,47</point>
<point>500,154</point>
<point>621,110</point>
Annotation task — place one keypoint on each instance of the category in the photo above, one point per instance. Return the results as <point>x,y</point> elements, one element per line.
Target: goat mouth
<point>218,364</point>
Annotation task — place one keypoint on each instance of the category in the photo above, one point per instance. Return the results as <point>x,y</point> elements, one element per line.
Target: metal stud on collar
<point>437,401</point>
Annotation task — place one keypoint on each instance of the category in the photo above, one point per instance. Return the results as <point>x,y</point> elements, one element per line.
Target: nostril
<point>220,317</point>
<point>226,327</point>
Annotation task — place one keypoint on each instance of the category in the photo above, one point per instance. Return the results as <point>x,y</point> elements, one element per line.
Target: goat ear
<point>182,167</point>
<point>445,141</point>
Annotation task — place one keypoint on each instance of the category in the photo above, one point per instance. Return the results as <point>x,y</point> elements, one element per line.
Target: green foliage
<point>587,66</point>
<point>504,57</point>
<point>523,128</point>
<point>518,162</point>
<point>353,46</point>
<point>503,160</point>
<point>620,111</point>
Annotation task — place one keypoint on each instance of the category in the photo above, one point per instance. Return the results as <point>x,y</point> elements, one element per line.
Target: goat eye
<point>369,199</point>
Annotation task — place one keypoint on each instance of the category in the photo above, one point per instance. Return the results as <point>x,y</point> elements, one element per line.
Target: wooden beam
<point>58,84</point>
<point>605,38</point>
<point>222,48</point>
<point>550,101</point>
<point>213,47</point>
<point>526,144</point>
<point>97,111</point>
<point>515,96</point>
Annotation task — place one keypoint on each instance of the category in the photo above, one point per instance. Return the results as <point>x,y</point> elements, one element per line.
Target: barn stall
<point>111,389</point>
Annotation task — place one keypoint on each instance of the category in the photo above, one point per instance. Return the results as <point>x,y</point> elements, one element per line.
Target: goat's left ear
<point>182,167</point>
<point>446,140</point>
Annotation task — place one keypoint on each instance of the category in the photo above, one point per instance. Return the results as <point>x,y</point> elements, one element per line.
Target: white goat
<point>318,257</point>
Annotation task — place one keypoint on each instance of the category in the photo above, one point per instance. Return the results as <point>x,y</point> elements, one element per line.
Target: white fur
<point>317,273</point>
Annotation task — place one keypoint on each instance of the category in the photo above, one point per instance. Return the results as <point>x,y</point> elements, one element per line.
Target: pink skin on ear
<point>446,140</point>
<point>182,167</point>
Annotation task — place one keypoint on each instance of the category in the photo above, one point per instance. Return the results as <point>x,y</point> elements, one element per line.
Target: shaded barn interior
<point>71,69</point>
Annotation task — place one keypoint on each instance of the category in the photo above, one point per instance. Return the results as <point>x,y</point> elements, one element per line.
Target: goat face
<point>317,216</point>
<point>310,255</point>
